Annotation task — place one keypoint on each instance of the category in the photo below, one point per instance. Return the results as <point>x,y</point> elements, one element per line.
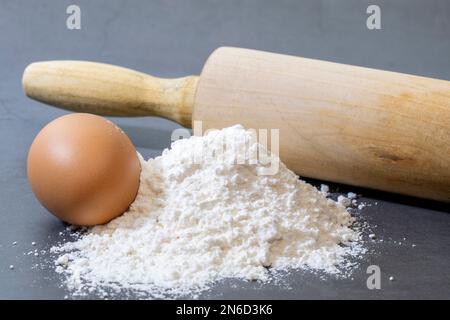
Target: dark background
<point>173,38</point>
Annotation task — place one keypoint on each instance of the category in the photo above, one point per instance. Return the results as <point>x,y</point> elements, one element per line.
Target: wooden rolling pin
<point>358,126</point>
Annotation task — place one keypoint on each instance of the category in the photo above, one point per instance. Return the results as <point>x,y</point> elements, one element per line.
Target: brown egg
<point>83,169</point>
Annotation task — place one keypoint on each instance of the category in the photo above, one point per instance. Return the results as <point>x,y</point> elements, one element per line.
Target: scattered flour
<point>344,201</point>
<point>324,189</point>
<point>352,196</point>
<point>196,223</point>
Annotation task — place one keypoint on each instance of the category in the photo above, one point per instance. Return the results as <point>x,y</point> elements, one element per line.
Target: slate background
<point>174,38</point>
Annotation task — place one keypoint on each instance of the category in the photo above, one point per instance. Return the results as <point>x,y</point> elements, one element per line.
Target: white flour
<point>192,224</point>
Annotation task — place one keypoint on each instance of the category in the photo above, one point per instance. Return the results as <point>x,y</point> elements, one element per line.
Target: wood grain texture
<point>109,90</point>
<point>354,125</point>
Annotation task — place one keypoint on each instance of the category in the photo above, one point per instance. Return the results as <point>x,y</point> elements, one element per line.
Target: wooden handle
<point>359,126</point>
<point>109,90</point>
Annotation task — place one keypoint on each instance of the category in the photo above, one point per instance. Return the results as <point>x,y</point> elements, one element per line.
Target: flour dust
<point>196,223</point>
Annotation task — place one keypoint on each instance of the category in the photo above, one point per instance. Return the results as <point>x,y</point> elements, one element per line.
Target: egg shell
<point>83,169</point>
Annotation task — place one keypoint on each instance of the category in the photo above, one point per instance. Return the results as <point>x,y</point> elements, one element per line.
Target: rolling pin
<point>359,126</point>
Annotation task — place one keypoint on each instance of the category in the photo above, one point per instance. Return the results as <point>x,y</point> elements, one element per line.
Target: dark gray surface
<point>173,38</point>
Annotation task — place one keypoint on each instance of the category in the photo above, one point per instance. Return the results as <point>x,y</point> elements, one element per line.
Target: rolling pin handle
<point>109,90</point>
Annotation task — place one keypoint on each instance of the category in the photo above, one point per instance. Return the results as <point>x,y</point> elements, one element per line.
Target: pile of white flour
<point>194,223</point>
